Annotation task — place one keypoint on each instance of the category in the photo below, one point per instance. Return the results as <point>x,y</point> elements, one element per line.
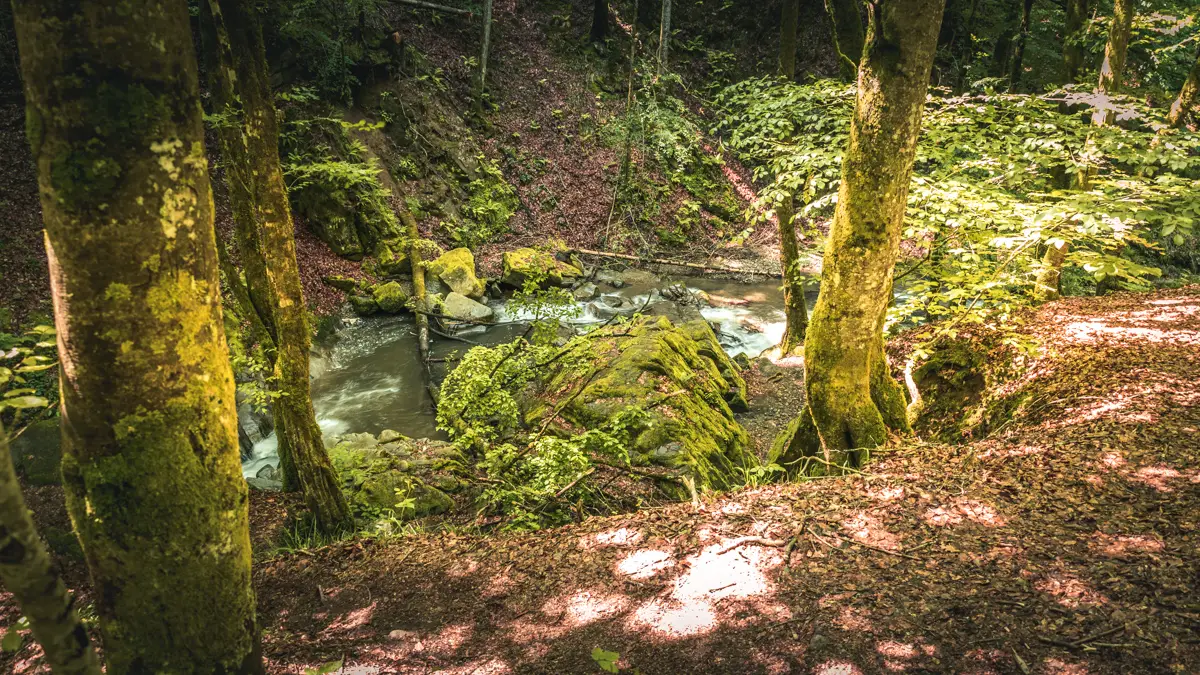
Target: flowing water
<point>368,377</point>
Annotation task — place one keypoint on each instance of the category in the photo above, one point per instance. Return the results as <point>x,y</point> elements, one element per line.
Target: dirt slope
<point>1065,545</point>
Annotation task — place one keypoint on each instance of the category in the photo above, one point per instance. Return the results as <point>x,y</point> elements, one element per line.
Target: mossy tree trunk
<point>1049,280</point>
<point>1018,60</point>
<point>1112,69</point>
<point>247,129</point>
<point>599,32</point>
<point>27,573</point>
<point>664,37</point>
<point>485,50</point>
<point>794,305</point>
<point>848,35</point>
<point>1073,52</point>
<point>1186,100</point>
<point>852,398</point>
<point>787,39</point>
<point>151,467</point>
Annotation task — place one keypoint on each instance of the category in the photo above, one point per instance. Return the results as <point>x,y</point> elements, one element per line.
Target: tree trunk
<point>1187,97</point>
<point>794,305</point>
<point>848,36</point>
<point>1112,70</point>
<point>151,468</point>
<point>1073,53</point>
<point>852,398</point>
<point>1018,60</point>
<point>787,39</point>
<point>484,51</point>
<point>27,573</point>
<point>599,21</point>
<point>664,37</point>
<point>247,129</point>
<point>1048,281</point>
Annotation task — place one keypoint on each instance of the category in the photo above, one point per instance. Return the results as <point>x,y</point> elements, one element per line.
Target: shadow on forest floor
<point>1066,544</point>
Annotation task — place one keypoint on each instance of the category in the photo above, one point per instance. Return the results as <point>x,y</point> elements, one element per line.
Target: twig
<point>452,337</point>
<point>438,8</point>
<point>758,541</point>
<point>1105,633</point>
<point>575,482</point>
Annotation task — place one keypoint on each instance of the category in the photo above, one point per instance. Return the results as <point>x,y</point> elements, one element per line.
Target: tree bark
<point>1049,279</point>
<point>1018,60</point>
<point>852,398</point>
<point>664,37</point>
<point>795,307</point>
<point>787,39</point>
<point>848,35</point>
<point>1073,51</point>
<point>599,21</point>
<point>151,468</point>
<point>249,137</point>
<point>485,49</point>
<point>27,572</point>
<point>1112,70</point>
<point>1187,96</point>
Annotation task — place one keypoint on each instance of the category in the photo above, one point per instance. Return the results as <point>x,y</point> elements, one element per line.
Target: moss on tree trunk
<point>848,36</point>
<point>1073,52</point>
<point>852,398</point>
<point>151,466</point>
<point>1112,69</point>
<point>27,573</point>
<point>1049,279</point>
<point>794,305</point>
<point>248,132</point>
<point>1187,96</point>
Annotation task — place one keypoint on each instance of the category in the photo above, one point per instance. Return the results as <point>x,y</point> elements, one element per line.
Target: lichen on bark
<point>151,468</point>
<point>852,399</point>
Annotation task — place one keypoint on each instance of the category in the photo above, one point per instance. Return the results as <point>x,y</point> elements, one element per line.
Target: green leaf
<point>325,668</point>
<point>606,660</point>
<point>18,392</point>
<point>23,402</point>
<point>13,639</point>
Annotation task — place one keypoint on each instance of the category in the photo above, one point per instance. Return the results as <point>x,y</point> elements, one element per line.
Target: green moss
<point>528,263</point>
<point>390,297</point>
<point>456,269</point>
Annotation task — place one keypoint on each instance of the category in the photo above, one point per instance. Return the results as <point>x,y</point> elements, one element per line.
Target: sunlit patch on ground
<point>866,528</point>
<point>585,607</point>
<point>352,623</point>
<point>645,564</point>
<point>1019,450</point>
<point>837,668</point>
<point>898,655</point>
<point>1060,667</point>
<point>886,493</point>
<point>854,619</point>
<point>1069,590</point>
<point>622,536</point>
<point>1126,544</point>
<point>963,510</point>
<point>1159,477</point>
<point>482,667</point>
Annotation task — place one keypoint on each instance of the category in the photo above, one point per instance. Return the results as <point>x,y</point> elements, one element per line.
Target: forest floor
<point>1067,543</point>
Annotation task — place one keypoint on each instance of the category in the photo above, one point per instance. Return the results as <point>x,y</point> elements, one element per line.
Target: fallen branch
<point>675,263</point>
<point>436,8</point>
<point>453,337</point>
<point>757,541</point>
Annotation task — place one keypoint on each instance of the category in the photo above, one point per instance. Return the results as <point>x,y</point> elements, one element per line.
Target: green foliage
<point>331,43</point>
<point>606,660</point>
<point>492,202</point>
<point>997,179</point>
<point>13,637</point>
<point>28,376</point>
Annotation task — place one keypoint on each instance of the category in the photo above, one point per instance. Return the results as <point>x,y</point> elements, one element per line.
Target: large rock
<point>393,473</point>
<point>461,308</point>
<point>391,297</point>
<point>524,264</point>
<point>364,305</point>
<point>456,269</point>
<point>686,386</point>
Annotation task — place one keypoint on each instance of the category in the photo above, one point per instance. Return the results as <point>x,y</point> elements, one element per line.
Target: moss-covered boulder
<point>456,269</point>
<point>341,282</point>
<point>364,305</point>
<point>524,264</point>
<point>410,478</point>
<point>679,377</point>
<point>391,297</point>
<point>392,260</point>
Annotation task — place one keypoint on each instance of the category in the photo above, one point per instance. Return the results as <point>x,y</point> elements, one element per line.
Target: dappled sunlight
<point>645,564</point>
<point>962,510</point>
<point>621,536</point>
<point>1160,477</point>
<point>854,619</point>
<point>886,493</point>
<point>1059,667</point>
<point>1068,590</point>
<point>1122,545</point>
<point>1096,330</point>
<point>867,529</point>
<point>898,655</point>
<point>351,624</point>
<point>490,666</point>
<point>1019,450</point>
<point>585,607</point>
<point>837,668</point>
<point>674,619</point>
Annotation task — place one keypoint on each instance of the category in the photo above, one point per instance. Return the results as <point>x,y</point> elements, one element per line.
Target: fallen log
<point>674,263</point>
<point>435,7</point>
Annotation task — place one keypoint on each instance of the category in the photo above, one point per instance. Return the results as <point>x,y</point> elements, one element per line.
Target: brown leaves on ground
<point>1067,543</point>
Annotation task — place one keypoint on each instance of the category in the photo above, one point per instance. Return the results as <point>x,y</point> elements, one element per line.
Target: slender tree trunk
<point>969,30</point>
<point>1187,96</point>
<point>151,468</point>
<point>244,104</point>
<point>484,51</point>
<point>787,39</point>
<point>1048,281</point>
<point>848,35</point>
<point>664,37</point>
<point>27,573</point>
<point>599,21</point>
<point>794,305</point>
<point>1072,50</point>
<point>1112,70</point>
<point>852,398</point>
<point>1018,60</point>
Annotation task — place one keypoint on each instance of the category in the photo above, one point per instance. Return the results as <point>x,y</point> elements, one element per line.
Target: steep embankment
<point>1064,543</point>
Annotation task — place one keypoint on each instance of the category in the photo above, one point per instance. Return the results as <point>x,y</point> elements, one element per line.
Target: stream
<point>368,376</point>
